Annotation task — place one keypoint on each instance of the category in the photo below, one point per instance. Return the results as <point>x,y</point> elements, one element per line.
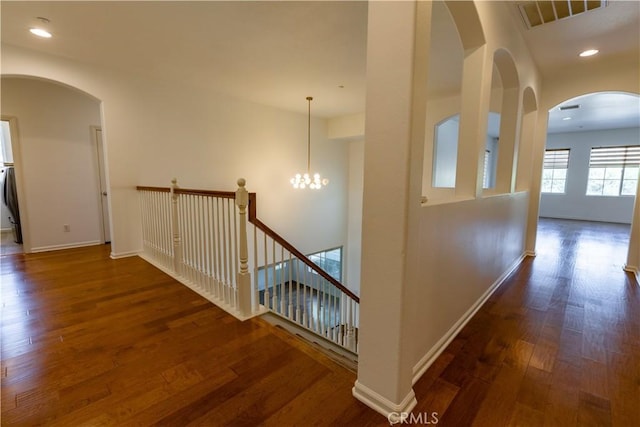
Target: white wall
<point>575,204</point>
<point>354,242</point>
<point>157,130</point>
<point>465,247</point>
<point>59,161</point>
<point>425,267</point>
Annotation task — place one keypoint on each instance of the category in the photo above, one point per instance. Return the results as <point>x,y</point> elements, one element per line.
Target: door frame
<point>101,168</point>
<point>17,165</point>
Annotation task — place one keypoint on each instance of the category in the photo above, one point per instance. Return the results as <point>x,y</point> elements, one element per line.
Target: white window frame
<point>618,157</point>
<point>555,159</point>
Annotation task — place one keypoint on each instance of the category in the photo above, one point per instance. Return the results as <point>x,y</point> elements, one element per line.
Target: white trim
<point>530,253</point>
<point>308,334</point>
<point>217,302</point>
<point>22,195</point>
<point>633,270</point>
<point>427,360</point>
<point>66,246</point>
<point>380,403</point>
<point>114,255</point>
<point>6,230</point>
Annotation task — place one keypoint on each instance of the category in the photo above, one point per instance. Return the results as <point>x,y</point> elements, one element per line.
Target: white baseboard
<point>634,270</point>
<point>530,253</point>
<point>207,295</point>
<point>6,230</point>
<point>383,405</point>
<point>115,255</point>
<point>66,246</point>
<point>427,360</point>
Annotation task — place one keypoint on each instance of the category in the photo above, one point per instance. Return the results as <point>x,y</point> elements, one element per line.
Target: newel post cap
<point>242,196</point>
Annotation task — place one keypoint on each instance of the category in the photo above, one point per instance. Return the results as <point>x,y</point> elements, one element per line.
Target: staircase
<point>214,243</point>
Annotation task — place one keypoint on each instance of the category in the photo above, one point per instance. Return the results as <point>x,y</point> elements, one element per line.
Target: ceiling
<point>277,53</point>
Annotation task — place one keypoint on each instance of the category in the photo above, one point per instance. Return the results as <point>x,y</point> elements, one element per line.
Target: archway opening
<point>57,163</point>
<point>590,172</point>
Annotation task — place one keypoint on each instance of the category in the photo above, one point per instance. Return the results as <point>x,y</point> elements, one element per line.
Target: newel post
<point>244,277</point>
<point>175,230</point>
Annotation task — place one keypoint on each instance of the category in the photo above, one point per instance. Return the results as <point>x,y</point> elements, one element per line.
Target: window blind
<point>556,159</point>
<point>614,156</point>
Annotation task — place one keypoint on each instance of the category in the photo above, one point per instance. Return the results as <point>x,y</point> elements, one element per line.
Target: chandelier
<point>307,180</point>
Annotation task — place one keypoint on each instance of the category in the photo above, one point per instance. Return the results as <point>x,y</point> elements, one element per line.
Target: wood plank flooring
<point>558,344</point>
<point>87,340</point>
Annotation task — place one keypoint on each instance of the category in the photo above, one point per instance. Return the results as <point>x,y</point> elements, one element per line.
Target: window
<point>554,174</point>
<point>6,154</point>
<point>330,261</point>
<point>445,152</point>
<point>613,171</point>
<point>486,175</point>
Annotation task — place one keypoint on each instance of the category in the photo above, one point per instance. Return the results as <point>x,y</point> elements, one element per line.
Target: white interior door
<point>106,229</point>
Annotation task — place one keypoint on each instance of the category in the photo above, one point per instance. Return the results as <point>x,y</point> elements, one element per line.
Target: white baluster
<point>265,270</point>
<point>231,254</point>
<point>256,279</point>
<point>192,239</point>
<point>184,235</point>
<point>351,338</point>
<point>219,264</point>
<point>156,244</point>
<point>274,296</point>
<point>298,309</point>
<point>290,308</point>
<point>209,245</point>
<point>306,307</point>
<point>201,269</point>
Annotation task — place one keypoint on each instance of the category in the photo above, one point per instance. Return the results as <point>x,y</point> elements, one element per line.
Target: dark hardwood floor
<point>558,344</point>
<point>87,340</point>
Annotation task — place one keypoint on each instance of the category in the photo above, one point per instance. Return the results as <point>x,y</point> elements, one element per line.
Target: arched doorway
<point>590,171</point>
<point>57,163</point>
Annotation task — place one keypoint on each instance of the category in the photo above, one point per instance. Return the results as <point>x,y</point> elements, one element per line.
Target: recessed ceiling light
<point>589,52</point>
<point>566,118</point>
<point>40,33</point>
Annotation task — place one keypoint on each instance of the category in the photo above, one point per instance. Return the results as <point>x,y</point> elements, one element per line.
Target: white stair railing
<point>200,238</point>
<point>193,235</point>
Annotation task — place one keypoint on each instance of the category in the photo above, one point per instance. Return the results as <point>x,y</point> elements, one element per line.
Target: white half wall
<point>575,204</point>
<point>59,162</point>
<point>465,248</point>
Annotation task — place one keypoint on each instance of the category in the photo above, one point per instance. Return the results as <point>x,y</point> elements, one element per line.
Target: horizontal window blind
<point>556,159</point>
<point>603,157</point>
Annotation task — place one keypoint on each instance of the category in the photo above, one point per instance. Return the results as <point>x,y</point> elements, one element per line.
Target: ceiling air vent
<point>569,107</point>
<point>535,13</point>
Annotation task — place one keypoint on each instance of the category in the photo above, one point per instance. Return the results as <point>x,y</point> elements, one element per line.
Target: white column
<point>244,277</point>
<point>509,140</point>
<point>397,55</point>
<point>633,256</point>
<point>474,112</point>
<point>540,141</point>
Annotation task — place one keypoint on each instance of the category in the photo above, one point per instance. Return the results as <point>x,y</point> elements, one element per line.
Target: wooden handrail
<point>159,189</point>
<point>262,226</point>
<point>221,194</point>
<point>288,246</point>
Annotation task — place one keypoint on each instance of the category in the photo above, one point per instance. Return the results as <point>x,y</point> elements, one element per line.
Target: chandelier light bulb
<point>313,181</point>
